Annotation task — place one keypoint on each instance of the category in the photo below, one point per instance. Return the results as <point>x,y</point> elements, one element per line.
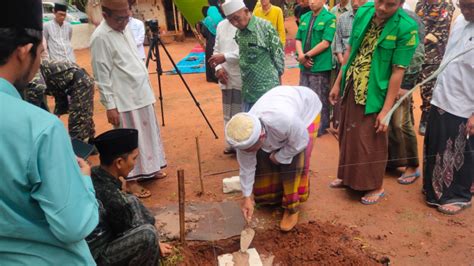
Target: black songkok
<point>22,14</point>
<point>116,142</point>
<point>60,7</point>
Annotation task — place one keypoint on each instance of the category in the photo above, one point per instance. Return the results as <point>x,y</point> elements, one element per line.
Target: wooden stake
<point>182,229</point>
<point>199,164</point>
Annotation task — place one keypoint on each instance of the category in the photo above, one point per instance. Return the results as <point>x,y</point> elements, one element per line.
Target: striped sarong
<point>285,184</point>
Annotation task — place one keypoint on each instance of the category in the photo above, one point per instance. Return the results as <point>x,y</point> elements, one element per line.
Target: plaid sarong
<point>285,184</point>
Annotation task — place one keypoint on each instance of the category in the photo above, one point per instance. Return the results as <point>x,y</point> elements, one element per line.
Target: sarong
<point>362,152</point>
<point>151,156</point>
<point>231,103</point>
<point>403,146</point>
<point>448,168</point>
<point>285,184</point>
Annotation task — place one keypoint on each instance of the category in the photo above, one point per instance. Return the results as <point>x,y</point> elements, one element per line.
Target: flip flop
<point>371,202</point>
<point>461,205</point>
<point>402,179</point>
<point>338,185</point>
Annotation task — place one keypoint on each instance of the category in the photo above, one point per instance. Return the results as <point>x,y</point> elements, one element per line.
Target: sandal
<point>461,206</point>
<point>337,183</point>
<point>366,201</point>
<point>403,178</point>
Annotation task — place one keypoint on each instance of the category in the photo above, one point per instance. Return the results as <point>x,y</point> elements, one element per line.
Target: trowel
<point>246,237</point>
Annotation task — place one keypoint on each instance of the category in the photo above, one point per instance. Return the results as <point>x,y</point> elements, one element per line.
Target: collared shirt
<point>138,31</point>
<point>226,45</point>
<point>47,207</point>
<point>395,46</point>
<point>58,40</point>
<point>275,16</point>
<point>285,112</point>
<point>437,19</point>
<point>454,90</point>
<point>119,71</point>
<point>338,10</point>
<point>262,59</point>
<point>343,32</point>
<point>322,29</point>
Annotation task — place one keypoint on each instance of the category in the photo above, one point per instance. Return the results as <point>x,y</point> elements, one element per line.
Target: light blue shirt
<point>47,207</point>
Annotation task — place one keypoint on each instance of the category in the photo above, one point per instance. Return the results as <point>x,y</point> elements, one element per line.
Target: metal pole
<point>199,164</point>
<point>181,206</point>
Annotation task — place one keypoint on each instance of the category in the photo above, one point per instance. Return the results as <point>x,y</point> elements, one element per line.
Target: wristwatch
<point>306,57</point>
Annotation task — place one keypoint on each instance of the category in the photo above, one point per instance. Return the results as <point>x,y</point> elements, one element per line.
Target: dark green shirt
<point>323,28</point>
<point>262,59</point>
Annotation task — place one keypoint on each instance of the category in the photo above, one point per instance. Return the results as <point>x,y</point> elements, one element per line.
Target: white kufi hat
<point>243,131</point>
<point>231,6</point>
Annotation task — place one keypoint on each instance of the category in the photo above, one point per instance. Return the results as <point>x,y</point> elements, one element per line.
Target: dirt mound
<point>312,243</point>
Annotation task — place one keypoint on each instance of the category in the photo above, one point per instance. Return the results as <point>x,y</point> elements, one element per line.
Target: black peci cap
<point>22,14</point>
<point>116,142</point>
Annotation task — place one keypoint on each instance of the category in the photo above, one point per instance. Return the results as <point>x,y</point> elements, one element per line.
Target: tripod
<point>154,55</point>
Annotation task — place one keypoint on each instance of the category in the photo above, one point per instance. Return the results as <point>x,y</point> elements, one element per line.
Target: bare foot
<point>337,183</point>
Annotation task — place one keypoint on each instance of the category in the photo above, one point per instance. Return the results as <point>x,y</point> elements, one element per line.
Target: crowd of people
<point>355,61</point>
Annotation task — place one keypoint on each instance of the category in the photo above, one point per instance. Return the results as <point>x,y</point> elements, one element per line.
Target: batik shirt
<point>261,58</point>
<point>360,69</point>
<point>437,19</point>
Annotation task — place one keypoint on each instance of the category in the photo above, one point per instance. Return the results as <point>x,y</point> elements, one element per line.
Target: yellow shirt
<point>274,16</point>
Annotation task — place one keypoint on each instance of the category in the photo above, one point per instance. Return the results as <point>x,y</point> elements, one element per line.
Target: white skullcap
<point>243,131</point>
<point>231,6</point>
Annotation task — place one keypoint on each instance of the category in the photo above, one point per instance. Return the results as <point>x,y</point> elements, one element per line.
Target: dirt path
<point>401,226</point>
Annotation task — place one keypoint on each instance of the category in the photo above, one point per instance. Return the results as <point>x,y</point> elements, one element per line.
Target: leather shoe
<point>288,221</point>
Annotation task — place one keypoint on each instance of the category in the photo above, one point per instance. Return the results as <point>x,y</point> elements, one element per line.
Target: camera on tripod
<point>152,24</point>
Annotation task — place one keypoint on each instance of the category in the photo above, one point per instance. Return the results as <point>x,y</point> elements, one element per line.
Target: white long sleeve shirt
<point>119,71</point>
<point>225,44</point>
<point>286,112</point>
<point>58,41</point>
<point>454,90</point>
<point>138,31</point>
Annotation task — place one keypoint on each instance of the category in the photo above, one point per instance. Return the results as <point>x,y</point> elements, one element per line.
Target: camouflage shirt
<point>60,75</point>
<point>437,19</point>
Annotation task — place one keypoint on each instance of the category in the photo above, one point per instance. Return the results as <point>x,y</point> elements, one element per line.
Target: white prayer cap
<point>243,131</point>
<point>229,7</point>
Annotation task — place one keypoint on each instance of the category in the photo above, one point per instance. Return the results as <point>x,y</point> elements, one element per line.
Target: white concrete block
<point>231,184</point>
<point>228,259</point>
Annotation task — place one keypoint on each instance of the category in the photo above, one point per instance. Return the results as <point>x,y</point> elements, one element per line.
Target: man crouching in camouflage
<point>126,234</point>
<point>73,92</point>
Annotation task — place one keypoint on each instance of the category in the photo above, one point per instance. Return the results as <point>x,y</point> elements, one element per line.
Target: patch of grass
<point>174,259</point>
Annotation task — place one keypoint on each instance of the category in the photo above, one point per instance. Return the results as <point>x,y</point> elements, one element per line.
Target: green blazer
<point>395,46</point>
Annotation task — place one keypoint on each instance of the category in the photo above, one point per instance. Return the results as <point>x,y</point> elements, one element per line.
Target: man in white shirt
<point>138,31</point>
<point>274,141</point>
<point>126,91</point>
<point>58,34</point>
<point>226,53</point>
<point>449,141</point>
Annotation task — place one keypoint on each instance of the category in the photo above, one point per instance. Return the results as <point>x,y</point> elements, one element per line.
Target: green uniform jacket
<point>323,29</point>
<point>395,46</point>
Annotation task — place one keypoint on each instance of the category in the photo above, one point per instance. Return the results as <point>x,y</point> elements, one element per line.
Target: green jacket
<point>323,29</point>
<point>395,46</point>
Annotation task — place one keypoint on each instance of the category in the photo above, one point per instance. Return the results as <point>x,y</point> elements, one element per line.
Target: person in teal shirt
<point>313,45</point>
<point>47,200</point>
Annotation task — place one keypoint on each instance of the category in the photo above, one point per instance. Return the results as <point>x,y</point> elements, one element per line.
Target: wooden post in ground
<point>182,229</point>
<point>199,164</point>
